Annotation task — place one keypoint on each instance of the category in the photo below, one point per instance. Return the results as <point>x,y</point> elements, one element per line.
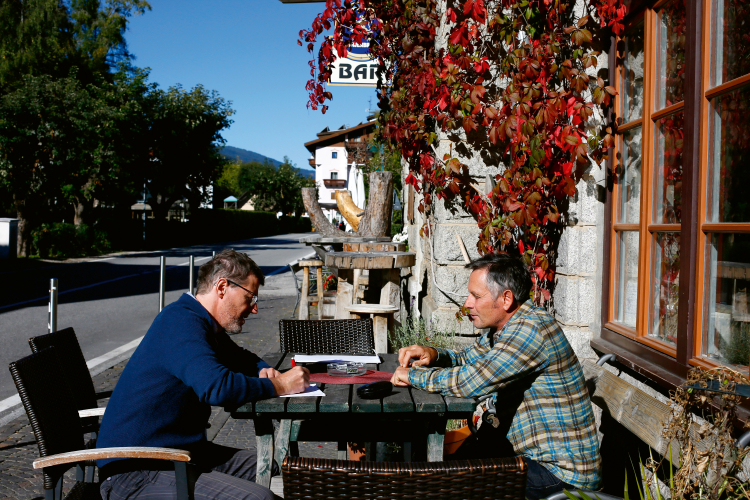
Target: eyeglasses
<point>253,299</point>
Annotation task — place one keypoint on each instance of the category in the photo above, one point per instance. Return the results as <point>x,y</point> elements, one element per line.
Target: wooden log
<point>348,209</point>
<point>343,299</point>
<point>304,305</point>
<point>319,276</point>
<point>377,218</point>
<point>321,223</point>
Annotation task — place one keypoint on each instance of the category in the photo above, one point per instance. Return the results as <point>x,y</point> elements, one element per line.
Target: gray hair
<point>504,273</point>
<point>229,265</point>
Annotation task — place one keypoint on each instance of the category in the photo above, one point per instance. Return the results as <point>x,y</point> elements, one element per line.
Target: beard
<point>232,324</point>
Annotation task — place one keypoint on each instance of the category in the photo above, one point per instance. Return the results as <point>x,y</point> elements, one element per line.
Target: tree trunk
<point>23,247</point>
<point>377,218</point>
<point>322,226</point>
<point>82,210</point>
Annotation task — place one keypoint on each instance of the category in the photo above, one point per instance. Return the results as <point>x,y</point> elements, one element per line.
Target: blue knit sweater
<point>180,369</point>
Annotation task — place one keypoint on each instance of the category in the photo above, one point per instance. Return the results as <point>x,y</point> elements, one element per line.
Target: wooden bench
<point>304,307</point>
<point>629,412</point>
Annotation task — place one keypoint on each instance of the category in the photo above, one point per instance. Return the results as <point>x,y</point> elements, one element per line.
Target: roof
<point>230,199</point>
<point>325,137</point>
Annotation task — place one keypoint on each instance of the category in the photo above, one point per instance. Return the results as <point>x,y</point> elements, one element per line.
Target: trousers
<point>226,473</point>
<point>491,443</point>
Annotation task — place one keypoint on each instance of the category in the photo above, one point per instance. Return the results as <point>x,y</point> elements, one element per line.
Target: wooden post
<point>343,299</point>
<point>319,276</point>
<point>380,329</point>
<point>377,218</point>
<point>304,306</point>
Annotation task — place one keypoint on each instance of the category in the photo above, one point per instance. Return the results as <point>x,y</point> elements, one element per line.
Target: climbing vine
<point>511,82</point>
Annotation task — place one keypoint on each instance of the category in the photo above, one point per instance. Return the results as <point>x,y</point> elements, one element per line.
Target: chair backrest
<point>71,358</point>
<point>352,336</point>
<point>463,479</point>
<point>49,406</point>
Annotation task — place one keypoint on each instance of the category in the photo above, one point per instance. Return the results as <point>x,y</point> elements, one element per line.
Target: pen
<point>293,363</point>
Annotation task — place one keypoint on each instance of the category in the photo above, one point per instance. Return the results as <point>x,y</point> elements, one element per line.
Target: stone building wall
<point>578,287</point>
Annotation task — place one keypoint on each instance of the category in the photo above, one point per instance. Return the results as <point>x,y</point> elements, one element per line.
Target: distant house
<point>337,157</point>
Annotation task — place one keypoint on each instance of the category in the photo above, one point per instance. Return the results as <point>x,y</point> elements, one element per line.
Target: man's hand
<point>401,377</point>
<point>425,355</point>
<point>268,373</point>
<point>293,381</point>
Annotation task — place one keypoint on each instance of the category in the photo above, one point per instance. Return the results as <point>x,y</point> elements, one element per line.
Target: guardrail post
<point>162,280</point>
<point>192,269</point>
<point>52,325</point>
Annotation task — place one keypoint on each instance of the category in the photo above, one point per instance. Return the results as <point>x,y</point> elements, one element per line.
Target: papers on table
<point>312,390</point>
<point>332,358</point>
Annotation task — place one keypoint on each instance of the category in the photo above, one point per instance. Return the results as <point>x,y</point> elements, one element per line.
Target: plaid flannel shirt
<point>554,424</point>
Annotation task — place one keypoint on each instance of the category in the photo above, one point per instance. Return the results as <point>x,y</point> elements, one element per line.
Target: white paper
<point>312,390</point>
<point>331,358</point>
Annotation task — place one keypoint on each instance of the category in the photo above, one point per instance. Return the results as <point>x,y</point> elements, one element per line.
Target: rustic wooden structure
<point>351,212</point>
<point>374,222</point>
<point>382,320</point>
<point>304,307</point>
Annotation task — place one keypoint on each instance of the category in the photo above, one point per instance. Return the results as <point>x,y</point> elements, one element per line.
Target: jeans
<point>226,473</point>
<point>490,443</point>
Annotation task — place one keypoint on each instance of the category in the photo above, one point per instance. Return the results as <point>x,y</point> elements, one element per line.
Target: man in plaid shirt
<point>544,411</point>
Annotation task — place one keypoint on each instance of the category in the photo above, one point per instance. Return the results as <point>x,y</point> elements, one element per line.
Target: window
<point>334,154</point>
<point>334,175</point>
<point>650,261</point>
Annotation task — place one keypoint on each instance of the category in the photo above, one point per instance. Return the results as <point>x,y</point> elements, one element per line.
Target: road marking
<point>46,297</point>
<point>113,354</point>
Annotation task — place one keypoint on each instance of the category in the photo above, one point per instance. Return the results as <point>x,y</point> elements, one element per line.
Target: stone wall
<point>578,287</point>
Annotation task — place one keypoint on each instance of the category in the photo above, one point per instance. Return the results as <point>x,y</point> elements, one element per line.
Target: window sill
<point>657,370</point>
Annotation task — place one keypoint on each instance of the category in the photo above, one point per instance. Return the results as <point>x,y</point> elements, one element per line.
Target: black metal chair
<point>76,374</point>
<point>328,336</point>
<point>463,479</point>
<point>57,428</point>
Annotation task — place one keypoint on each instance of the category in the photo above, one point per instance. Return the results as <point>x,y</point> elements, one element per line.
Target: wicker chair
<point>57,429</point>
<point>493,478</point>
<point>76,373</point>
<point>328,336</point>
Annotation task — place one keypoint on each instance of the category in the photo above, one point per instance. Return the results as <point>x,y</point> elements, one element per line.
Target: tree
<point>272,189</point>
<point>182,145</point>
<point>38,122</point>
<point>49,37</point>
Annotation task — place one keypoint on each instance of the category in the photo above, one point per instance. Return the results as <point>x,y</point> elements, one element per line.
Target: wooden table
<point>407,414</point>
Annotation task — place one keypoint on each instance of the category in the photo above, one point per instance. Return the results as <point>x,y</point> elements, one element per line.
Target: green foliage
<point>416,331</point>
<point>61,240</point>
<point>180,154</point>
<point>272,189</point>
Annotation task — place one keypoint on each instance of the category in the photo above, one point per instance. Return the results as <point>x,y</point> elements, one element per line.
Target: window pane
<point>729,157</point>
<point>668,170</point>
<point>729,46</point>
<point>726,336</point>
<point>666,284</point>
<point>627,278</point>
<point>631,75</point>
<point>670,54</point>
<point>630,177</point>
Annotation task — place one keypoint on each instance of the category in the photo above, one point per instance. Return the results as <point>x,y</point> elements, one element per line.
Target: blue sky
<point>247,51</point>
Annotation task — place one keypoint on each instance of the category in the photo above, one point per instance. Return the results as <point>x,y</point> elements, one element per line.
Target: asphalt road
<point>112,300</point>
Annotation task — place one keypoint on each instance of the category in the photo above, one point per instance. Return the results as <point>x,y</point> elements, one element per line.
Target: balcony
<point>334,183</point>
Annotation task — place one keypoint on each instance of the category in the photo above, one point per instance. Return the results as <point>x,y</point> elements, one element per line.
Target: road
<point>111,301</point>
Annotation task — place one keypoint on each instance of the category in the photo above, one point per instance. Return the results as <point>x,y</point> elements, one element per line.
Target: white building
<point>337,157</point>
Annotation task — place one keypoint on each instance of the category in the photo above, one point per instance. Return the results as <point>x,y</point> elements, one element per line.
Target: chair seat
<point>372,308</point>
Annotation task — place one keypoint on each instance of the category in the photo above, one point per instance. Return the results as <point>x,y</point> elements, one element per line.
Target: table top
<point>313,240</point>
<point>370,260</point>
<point>340,399</point>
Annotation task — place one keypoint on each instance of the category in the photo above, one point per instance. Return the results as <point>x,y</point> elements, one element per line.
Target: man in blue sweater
<point>185,364</point>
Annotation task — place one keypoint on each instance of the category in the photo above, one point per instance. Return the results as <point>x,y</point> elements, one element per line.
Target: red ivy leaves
<point>514,79</point>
